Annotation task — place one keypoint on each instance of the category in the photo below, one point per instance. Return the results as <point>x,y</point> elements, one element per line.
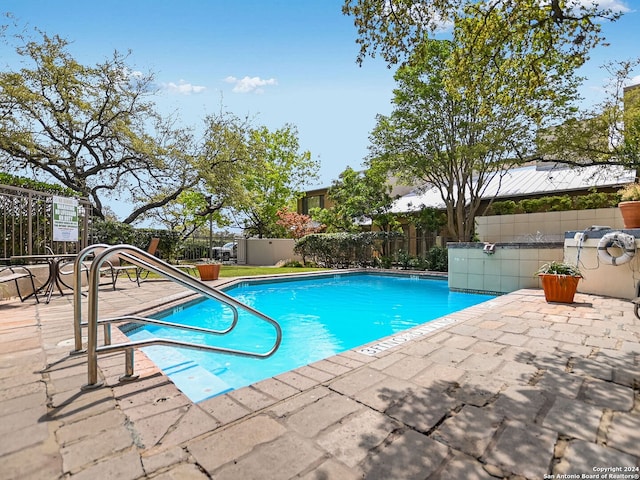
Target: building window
<point>316,201</point>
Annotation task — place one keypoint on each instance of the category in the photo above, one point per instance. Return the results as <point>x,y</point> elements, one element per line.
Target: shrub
<point>506,207</point>
<point>292,263</point>
<point>437,259</point>
<point>114,233</point>
<point>556,203</point>
<point>630,192</point>
<point>404,259</point>
<point>343,250</point>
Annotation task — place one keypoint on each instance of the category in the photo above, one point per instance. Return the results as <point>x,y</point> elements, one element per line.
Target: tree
<point>607,134</point>
<point>534,32</point>
<point>357,197</point>
<point>297,224</point>
<point>453,144</point>
<point>278,171</point>
<point>509,69</point>
<point>92,129</point>
<point>221,162</point>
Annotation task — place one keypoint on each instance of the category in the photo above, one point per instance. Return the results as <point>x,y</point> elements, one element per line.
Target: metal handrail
<point>143,259</point>
<point>77,294</point>
<point>153,264</point>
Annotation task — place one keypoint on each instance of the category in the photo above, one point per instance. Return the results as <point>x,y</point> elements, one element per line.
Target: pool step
<point>194,381</point>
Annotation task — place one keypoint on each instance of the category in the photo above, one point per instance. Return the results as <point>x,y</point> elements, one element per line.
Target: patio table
<point>54,279</point>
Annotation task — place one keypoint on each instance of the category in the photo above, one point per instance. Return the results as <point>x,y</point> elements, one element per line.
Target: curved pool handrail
<point>143,259</point>
<point>77,293</point>
<point>79,266</point>
<point>172,342</point>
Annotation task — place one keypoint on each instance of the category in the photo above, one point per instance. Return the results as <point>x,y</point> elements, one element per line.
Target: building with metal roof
<point>528,181</point>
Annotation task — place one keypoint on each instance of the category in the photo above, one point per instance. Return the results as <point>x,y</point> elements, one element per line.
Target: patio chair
<point>636,302</point>
<point>15,273</point>
<point>114,267</point>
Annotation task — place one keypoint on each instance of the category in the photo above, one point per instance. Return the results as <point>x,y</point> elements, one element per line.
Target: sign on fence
<point>65,219</point>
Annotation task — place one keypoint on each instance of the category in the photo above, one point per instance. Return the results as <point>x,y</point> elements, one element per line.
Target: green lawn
<point>248,271</point>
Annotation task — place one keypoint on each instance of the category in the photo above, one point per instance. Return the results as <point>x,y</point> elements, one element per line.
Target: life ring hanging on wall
<point>621,240</point>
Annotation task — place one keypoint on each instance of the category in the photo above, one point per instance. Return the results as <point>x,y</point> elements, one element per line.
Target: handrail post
<point>92,340</point>
<point>77,294</point>
<point>128,366</point>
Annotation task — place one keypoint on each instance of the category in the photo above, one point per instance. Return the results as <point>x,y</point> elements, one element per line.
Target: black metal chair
<point>636,302</point>
<point>15,273</point>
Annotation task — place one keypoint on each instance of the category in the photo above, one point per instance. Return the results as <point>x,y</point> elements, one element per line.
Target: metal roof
<point>527,181</point>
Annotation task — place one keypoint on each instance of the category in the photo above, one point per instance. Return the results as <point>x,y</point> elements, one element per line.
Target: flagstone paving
<point>513,388</point>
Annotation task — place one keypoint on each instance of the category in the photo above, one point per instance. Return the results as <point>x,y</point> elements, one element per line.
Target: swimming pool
<point>319,316</point>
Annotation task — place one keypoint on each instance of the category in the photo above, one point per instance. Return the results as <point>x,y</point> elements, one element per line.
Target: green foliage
<point>526,40</point>
<point>343,250</point>
<point>455,143</point>
<point>293,264</point>
<point>405,259</point>
<point>114,233</point>
<point>383,262</point>
<point>546,204</point>
<point>464,108</point>
<point>595,200</point>
<point>358,195</point>
<point>560,268</point>
<point>506,207</point>
<point>430,219</point>
<point>630,192</point>
<point>555,203</point>
<point>437,259</point>
<point>277,173</point>
<point>607,134</point>
<point>28,183</point>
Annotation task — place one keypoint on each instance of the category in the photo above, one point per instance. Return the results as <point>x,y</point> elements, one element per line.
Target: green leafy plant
<point>438,259</point>
<point>343,250</point>
<point>560,268</point>
<point>555,203</point>
<point>630,192</point>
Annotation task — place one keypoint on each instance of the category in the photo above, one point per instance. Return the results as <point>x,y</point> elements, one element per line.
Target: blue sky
<point>282,61</point>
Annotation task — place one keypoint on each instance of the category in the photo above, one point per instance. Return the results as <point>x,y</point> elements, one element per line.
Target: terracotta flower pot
<point>209,271</point>
<point>559,288</point>
<point>630,213</point>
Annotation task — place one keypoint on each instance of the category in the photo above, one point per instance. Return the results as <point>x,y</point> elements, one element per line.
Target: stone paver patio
<point>512,388</point>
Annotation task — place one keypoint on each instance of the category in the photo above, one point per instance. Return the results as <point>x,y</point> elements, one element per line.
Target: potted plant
<point>630,205</point>
<point>210,270</point>
<point>559,281</point>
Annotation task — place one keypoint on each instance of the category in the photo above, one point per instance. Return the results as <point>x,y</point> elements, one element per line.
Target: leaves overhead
<point>529,47</point>
<point>393,28</point>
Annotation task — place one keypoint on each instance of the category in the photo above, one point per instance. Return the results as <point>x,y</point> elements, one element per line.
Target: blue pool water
<point>320,317</point>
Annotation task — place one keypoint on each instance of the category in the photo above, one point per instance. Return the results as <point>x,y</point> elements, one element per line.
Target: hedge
<point>344,250</point>
<point>555,203</point>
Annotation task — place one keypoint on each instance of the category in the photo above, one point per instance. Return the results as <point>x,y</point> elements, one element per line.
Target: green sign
<point>65,219</point>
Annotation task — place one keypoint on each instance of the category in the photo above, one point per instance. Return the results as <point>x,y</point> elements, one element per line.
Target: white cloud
<point>614,5</point>
<point>249,84</point>
<point>182,88</point>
